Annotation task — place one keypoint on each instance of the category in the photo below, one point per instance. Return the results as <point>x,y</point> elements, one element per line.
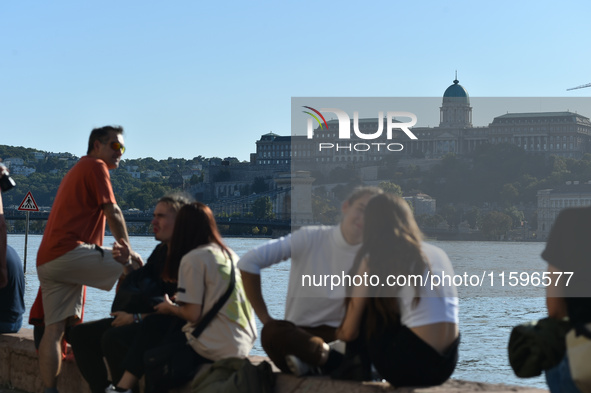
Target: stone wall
<point>19,370</point>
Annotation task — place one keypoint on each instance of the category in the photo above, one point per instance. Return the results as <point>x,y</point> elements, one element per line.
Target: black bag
<point>537,346</point>
<point>138,293</point>
<point>170,366</point>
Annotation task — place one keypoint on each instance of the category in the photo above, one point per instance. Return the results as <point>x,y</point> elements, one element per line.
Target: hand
<point>121,318</point>
<point>166,307</point>
<point>136,259</point>
<point>121,251</point>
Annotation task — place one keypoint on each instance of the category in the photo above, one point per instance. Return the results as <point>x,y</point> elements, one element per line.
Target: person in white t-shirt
<point>203,265</point>
<point>312,312</point>
<point>408,332</point>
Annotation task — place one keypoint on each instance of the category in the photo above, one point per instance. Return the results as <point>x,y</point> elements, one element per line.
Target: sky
<point>189,78</point>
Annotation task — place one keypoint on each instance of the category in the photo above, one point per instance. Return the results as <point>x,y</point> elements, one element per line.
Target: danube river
<point>486,315</point>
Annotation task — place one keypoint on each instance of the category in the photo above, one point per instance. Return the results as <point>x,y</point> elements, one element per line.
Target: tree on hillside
<point>262,208</point>
<point>391,188</point>
<point>323,210</point>
<point>495,224</point>
<point>473,217</point>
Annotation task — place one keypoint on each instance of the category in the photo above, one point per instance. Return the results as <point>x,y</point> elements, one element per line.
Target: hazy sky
<point>189,78</point>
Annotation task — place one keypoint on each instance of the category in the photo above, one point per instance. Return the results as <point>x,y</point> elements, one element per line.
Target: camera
<point>6,182</point>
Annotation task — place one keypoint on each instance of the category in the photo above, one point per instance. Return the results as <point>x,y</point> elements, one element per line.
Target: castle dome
<point>456,93</point>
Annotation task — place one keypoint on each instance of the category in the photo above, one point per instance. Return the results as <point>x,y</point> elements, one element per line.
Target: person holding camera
<point>12,277</point>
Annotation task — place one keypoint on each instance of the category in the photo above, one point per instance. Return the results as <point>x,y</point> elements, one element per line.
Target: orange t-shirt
<point>77,213</point>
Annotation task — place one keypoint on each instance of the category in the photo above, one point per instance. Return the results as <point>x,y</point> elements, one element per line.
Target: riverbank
<point>19,373</point>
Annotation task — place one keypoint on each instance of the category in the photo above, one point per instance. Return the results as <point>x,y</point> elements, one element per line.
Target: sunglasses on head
<point>117,146</point>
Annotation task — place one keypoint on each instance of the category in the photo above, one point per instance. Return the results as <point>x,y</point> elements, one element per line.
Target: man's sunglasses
<point>117,146</point>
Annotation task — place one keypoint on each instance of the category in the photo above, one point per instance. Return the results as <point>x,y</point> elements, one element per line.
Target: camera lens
<point>6,182</point>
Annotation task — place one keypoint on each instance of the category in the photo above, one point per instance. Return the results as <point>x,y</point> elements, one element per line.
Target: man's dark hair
<point>102,135</point>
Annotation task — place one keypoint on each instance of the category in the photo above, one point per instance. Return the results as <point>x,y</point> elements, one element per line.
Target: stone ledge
<point>19,370</point>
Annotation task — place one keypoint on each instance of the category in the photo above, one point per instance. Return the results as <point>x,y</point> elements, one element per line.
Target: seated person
<point>111,338</point>
<point>12,282</point>
<point>312,314</point>
<point>202,266</point>
<point>410,333</point>
<point>567,250</point>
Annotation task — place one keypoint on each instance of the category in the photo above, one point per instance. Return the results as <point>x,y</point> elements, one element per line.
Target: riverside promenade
<point>19,373</point>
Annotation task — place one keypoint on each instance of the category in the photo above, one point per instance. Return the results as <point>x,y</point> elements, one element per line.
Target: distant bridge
<point>13,214</point>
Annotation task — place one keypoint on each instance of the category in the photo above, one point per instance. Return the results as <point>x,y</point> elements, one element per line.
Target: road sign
<point>28,204</point>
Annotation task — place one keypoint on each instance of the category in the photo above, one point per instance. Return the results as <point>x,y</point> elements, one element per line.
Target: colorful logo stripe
<point>318,113</point>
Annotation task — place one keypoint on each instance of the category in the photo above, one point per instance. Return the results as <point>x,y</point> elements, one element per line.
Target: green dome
<point>457,93</point>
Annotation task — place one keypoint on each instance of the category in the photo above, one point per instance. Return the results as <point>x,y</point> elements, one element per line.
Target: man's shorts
<point>62,279</point>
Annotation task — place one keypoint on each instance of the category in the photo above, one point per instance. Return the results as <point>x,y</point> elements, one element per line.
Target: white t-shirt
<point>439,304</point>
<point>204,276</point>
<point>315,251</point>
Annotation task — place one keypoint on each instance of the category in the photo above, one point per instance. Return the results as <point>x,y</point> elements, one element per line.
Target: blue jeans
<point>559,379</point>
<point>7,327</point>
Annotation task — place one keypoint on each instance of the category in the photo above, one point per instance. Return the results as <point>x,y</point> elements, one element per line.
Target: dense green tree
<point>517,216</point>
<point>509,194</point>
<point>324,210</point>
<point>262,208</point>
<point>391,188</point>
<point>495,224</point>
<point>428,220</point>
<point>472,217</point>
<point>454,215</point>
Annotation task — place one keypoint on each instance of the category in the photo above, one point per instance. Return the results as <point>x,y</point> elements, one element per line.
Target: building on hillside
<point>565,134</point>
<point>552,201</point>
<point>13,162</point>
<point>150,174</point>
<point>273,149</point>
<point>38,155</point>
<point>21,170</point>
<point>422,204</point>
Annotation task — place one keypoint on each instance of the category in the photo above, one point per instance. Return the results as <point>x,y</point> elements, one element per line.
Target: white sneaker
<point>112,389</point>
<point>300,368</point>
<point>338,345</point>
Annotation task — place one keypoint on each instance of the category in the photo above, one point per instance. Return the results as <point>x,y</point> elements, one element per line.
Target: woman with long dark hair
<point>408,331</point>
<point>202,266</point>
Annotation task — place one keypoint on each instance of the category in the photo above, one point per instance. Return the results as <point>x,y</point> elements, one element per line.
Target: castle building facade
<point>565,134</point>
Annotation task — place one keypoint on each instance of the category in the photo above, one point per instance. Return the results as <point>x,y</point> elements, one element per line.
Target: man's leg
<point>115,344</point>
<point>86,344</point>
<point>281,338</point>
<point>50,353</point>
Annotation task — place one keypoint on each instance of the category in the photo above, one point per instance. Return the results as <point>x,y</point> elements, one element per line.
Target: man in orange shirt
<point>71,254</point>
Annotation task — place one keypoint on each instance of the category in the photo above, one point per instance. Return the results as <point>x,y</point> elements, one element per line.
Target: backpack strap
<point>216,308</point>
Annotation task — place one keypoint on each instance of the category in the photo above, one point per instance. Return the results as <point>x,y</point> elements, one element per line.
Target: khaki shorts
<point>62,280</point>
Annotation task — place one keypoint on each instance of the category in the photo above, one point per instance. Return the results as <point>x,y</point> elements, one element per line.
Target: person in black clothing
<point>111,337</point>
<point>569,250</point>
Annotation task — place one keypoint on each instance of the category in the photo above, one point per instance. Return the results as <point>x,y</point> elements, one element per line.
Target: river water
<point>486,315</point>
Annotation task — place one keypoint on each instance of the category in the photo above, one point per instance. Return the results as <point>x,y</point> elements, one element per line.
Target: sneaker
<point>338,345</point>
<point>113,389</point>
<point>300,368</point>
